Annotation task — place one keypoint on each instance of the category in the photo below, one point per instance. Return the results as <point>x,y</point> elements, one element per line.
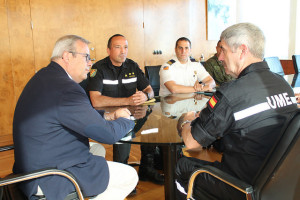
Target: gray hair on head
<point>248,34</point>
<point>66,43</point>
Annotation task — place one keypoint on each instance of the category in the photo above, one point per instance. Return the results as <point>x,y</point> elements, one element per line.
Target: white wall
<point>297,28</point>
<point>278,20</point>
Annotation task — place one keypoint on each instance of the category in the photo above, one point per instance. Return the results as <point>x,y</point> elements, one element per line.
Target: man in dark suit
<point>53,122</point>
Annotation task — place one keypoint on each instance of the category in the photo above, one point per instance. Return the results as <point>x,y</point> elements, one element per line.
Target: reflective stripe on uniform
<point>129,80</point>
<point>251,111</point>
<point>110,82</point>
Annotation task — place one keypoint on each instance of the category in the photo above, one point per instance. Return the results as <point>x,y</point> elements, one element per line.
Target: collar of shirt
<point>177,61</point>
<point>254,67</point>
<point>111,66</point>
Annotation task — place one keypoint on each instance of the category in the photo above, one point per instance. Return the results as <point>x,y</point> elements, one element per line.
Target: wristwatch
<point>147,95</point>
<point>185,122</point>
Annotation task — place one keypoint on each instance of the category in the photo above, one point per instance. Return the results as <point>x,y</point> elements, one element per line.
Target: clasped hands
<point>200,87</point>
<point>121,112</point>
<point>138,98</point>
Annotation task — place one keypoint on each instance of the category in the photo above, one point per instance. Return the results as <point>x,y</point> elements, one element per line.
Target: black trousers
<point>121,153</point>
<point>205,186</point>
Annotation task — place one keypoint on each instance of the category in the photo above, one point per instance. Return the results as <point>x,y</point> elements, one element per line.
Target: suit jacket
<point>52,123</point>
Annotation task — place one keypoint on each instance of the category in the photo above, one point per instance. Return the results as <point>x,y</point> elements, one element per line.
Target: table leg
<point>170,158</point>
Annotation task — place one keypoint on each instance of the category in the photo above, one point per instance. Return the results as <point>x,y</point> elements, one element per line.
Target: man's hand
<point>190,115</point>
<point>198,87</point>
<point>122,112</point>
<point>138,112</point>
<point>138,98</point>
<point>297,97</point>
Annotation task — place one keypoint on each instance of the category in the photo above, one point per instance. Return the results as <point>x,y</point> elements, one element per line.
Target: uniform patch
<point>193,59</point>
<point>170,62</point>
<point>213,101</point>
<point>166,67</point>
<point>93,72</point>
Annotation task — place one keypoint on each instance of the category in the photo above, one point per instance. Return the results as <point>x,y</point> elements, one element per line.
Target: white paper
<point>152,130</point>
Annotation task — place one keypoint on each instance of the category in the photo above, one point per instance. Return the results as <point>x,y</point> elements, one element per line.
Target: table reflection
<point>173,106</point>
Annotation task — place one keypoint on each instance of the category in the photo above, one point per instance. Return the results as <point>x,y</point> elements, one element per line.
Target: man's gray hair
<point>248,34</point>
<point>66,43</point>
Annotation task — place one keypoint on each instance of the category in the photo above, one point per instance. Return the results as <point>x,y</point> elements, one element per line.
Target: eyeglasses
<point>87,56</point>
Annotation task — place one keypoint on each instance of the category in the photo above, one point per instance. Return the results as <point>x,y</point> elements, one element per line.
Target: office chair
<point>275,65</point>
<point>15,194</point>
<point>296,63</point>
<point>278,178</point>
<point>152,73</point>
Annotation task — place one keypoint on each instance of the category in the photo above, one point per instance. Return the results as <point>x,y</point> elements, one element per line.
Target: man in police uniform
<point>216,69</point>
<point>114,81</point>
<point>246,114</point>
<point>182,74</point>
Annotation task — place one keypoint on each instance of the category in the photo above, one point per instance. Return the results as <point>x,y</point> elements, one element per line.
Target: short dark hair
<point>109,40</point>
<point>183,39</point>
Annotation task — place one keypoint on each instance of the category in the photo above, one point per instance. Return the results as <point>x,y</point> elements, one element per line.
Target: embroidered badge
<point>166,68</point>
<point>213,101</point>
<point>93,72</point>
<point>170,62</point>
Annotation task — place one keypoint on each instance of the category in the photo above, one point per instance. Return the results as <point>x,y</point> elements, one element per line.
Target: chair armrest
<point>6,148</point>
<point>15,178</point>
<point>222,176</point>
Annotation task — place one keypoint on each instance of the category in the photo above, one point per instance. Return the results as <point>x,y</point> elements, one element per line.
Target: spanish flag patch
<point>93,72</point>
<point>213,101</point>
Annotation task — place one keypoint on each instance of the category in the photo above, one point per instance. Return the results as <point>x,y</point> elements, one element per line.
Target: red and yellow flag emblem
<point>213,101</point>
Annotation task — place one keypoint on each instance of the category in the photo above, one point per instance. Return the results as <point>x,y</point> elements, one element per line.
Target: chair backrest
<point>279,176</point>
<point>275,65</point>
<point>152,73</point>
<point>296,63</point>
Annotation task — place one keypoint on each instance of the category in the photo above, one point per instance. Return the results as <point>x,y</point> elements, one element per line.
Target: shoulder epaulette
<point>170,62</point>
<point>193,59</point>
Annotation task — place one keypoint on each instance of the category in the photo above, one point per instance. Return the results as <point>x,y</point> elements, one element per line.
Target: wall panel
<point>165,22</point>
<point>7,100</point>
<point>117,16</point>
<point>53,20</point>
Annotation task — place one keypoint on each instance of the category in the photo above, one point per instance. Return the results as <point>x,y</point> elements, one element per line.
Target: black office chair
<point>296,63</point>
<point>9,189</point>
<point>278,178</point>
<point>275,65</point>
<point>152,73</point>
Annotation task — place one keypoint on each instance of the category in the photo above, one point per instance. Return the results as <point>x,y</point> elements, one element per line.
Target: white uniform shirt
<point>182,74</point>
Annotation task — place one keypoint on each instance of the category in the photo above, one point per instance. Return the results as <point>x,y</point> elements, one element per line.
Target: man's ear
<point>244,50</point>
<point>108,51</point>
<point>66,57</point>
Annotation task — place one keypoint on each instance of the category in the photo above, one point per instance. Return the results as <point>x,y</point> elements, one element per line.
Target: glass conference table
<point>156,125</point>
